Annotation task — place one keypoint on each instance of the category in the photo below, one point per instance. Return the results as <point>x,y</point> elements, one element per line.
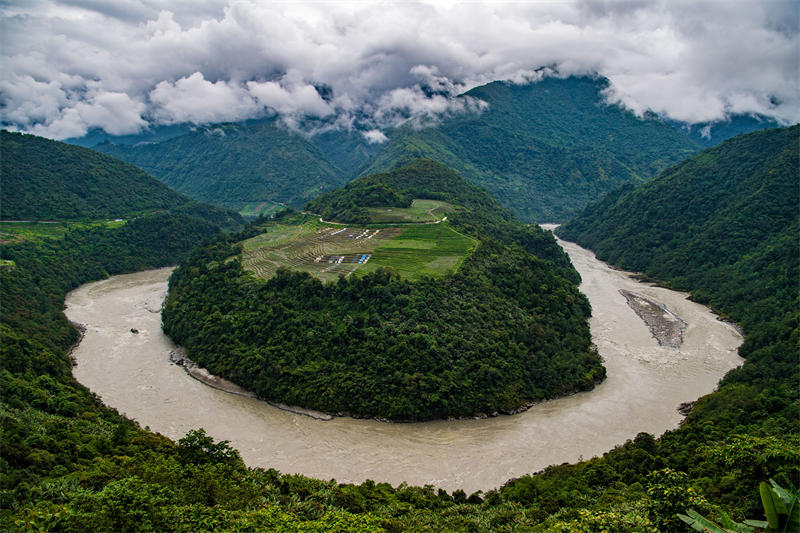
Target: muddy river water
<point>646,382</point>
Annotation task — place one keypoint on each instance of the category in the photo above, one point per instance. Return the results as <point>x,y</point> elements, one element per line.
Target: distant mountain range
<point>544,150</point>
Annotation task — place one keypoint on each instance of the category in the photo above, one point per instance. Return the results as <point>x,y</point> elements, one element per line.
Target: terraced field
<point>329,252</point>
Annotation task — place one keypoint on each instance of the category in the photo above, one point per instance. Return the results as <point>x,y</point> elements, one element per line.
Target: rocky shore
<point>178,357</point>
<point>665,326</point>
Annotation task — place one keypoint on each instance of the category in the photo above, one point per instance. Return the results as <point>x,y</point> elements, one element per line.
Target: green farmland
<point>420,211</point>
<point>255,209</point>
<point>21,231</point>
<point>329,251</point>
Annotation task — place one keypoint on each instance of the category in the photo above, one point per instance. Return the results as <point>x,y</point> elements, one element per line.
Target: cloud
<point>194,99</point>
<point>375,136</point>
<point>372,66</point>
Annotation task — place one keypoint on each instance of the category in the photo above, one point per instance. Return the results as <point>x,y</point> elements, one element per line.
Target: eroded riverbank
<point>645,385</point>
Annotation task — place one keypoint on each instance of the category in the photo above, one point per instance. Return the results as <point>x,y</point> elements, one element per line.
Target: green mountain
<point>51,180</point>
<point>700,216</point>
<point>544,150</point>
<point>44,179</point>
<point>387,341</point>
<point>232,165</point>
<point>423,178</point>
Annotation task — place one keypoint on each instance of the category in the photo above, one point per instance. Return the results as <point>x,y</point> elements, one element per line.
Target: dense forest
<point>508,328</point>
<point>234,164</point>
<point>50,180</point>
<point>423,178</point>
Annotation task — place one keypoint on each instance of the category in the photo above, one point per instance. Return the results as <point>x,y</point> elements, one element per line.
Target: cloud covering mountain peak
<point>73,65</point>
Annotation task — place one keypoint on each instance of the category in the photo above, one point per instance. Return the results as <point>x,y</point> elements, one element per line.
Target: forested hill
<point>423,178</point>
<point>702,215</point>
<point>504,327</point>
<point>235,164</point>
<point>44,179</point>
<point>50,180</point>
<point>544,150</point>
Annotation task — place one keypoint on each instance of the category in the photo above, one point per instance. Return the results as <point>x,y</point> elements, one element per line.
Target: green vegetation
<point>18,231</point>
<point>428,250</point>
<point>49,180</point>
<point>544,150</point>
<point>781,507</point>
<point>423,179</point>
<point>420,211</point>
<point>75,187</point>
<point>236,165</point>
<point>724,225</point>
<point>410,336</point>
<point>327,252</point>
<point>256,209</point>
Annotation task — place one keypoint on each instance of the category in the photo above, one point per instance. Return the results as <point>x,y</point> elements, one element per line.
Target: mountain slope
<point>708,134</point>
<point>544,150</point>
<point>235,164</point>
<point>708,211</point>
<point>44,179</point>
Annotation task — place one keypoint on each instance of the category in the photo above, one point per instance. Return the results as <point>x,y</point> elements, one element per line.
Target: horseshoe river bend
<point>646,383</point>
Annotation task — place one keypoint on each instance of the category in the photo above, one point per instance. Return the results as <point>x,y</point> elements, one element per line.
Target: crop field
<point>420,211</point>
<point>20,231</point>
<point>255,209</point>
<point>329,252</point>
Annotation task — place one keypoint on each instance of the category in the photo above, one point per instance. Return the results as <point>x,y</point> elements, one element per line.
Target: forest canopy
<point>507,328</point>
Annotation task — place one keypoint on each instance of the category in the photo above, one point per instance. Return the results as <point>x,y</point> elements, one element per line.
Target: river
<point>646,382</point>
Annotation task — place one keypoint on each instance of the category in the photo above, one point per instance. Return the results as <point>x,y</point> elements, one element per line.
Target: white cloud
<point>375,136</point>
<point>194,99</point>
<point>380,64</point>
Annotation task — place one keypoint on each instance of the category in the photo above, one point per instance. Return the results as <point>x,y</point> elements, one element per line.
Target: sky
<point>70,66</point>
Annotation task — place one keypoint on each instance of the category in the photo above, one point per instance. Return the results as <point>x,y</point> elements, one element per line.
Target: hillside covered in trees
<point>55,181</point>
<point>724,225</point>
<point>235,164</point>
<point>544,150</point>
<point>505,329</point>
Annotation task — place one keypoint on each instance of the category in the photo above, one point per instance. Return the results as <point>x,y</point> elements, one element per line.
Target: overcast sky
<point>72,65</point>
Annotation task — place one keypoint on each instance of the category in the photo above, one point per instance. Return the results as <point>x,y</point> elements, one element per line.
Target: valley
<point>646,383</point>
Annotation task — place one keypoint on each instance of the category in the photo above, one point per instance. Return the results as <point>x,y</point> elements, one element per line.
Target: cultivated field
<point>255,209</point>
<point>19,231</point>
<point>420,211</point>
<point>329,252</point>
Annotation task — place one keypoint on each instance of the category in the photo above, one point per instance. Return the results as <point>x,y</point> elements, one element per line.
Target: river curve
<point>646,382</point>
